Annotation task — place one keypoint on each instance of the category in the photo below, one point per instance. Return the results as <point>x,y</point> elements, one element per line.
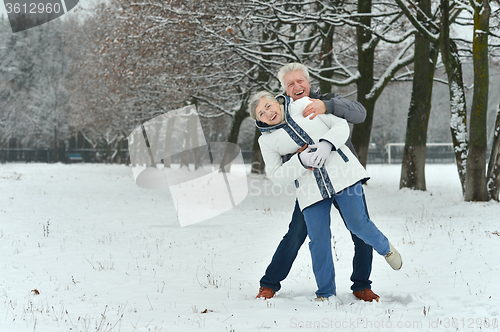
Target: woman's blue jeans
<point>315,222</point>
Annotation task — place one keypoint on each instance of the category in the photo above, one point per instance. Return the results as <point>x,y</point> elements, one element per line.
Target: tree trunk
<point>193,133</point>
<point>458,106</point>
<point>109,153</point>
<point>185,147</point>
<point>361,132</point>
<point>493,176</point>
<point>327,59</point>
<point>458,127</point>
<point>167,161</point>
<point>475,186</point>
<point>56,146</point>
<point>413,165</point>
<point>238,118</point>
<point>258,166</point>
<point>153,135</point>
<point>119,152</point>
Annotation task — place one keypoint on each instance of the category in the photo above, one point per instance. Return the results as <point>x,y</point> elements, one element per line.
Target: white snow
<point>107,255</point>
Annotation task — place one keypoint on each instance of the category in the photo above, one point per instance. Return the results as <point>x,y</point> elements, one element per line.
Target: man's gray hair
<point>254,101</point>
<point>288,68</point>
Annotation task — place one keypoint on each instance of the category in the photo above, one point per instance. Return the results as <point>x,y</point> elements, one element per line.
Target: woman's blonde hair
<point>254,101</point>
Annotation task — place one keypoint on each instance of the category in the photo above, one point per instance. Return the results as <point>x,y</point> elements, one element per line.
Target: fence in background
<point>47,155</point>
<point>435,153</point>
<point>388,154</point>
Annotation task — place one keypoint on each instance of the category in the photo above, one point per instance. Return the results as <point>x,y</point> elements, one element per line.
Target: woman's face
<point>268,111</point>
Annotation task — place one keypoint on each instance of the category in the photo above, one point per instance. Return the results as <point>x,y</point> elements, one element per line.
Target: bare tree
<point>438,32</point>
<point>493,174</point>
<point>426,53</point>
<point>321,35</point>
<point>458,109</point>
<point>34,99</point>
<point>152,57</point>
<point>475,184</point>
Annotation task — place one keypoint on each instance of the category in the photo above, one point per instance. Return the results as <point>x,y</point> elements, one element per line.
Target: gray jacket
<point>351,110</point>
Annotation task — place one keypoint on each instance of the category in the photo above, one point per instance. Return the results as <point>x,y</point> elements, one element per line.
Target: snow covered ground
<point>85,249</point>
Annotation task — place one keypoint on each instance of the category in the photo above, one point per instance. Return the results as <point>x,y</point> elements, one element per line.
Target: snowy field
<point>85,249</point>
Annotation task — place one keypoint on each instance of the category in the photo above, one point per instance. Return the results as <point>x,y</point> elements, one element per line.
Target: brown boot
<point>366,295</point>
<point>265,292</point>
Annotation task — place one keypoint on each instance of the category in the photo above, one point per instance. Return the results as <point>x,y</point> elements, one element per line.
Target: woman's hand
<point>320,157</point>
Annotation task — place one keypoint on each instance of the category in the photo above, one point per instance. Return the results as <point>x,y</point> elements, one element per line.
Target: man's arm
<point>350,110</point>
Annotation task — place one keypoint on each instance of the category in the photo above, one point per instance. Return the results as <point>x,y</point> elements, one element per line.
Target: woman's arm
<point>279,172</point>
<point>339,130</point>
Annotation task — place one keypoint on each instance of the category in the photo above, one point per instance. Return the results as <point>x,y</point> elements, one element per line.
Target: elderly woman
<point>324,171</point>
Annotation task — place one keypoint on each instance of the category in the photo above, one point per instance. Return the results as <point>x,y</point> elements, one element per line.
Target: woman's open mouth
<point>273,117</point>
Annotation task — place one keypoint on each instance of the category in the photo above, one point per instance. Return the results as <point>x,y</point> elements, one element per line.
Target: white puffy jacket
<point>343,168</point>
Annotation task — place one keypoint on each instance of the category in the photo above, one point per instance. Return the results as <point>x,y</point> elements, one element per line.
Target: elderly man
<point>294,78</point>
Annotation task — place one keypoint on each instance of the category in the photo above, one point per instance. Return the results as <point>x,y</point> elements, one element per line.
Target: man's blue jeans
<point>350,199</point>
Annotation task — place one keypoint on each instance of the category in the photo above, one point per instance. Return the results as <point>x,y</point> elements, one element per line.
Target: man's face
<point>296,84</point>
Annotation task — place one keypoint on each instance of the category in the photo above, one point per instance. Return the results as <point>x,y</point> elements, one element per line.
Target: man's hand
<point>316,107</point>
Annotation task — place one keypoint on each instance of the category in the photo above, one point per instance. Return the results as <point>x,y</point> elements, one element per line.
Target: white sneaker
<point>394,258</point>
<point>321,299</point>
